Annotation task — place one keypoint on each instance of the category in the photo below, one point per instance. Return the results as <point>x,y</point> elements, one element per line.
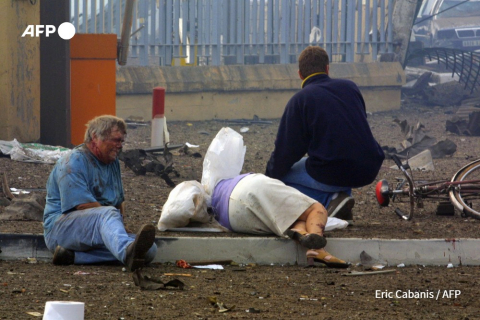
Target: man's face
<point>108,149</point>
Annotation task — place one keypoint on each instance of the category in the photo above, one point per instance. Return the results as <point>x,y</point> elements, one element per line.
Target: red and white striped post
<point>158,113</point>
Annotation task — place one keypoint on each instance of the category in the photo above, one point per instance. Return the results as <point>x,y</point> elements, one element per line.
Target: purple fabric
<point>221,198</point>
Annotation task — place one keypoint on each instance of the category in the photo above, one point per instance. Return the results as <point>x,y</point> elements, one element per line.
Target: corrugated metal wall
<point>222,32</point>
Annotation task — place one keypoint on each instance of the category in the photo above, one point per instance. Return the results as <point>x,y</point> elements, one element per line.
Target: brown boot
<point>135,255</point>
<point>63,257</point>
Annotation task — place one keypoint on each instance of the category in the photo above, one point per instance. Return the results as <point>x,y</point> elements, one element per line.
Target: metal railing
<point>218,32</point>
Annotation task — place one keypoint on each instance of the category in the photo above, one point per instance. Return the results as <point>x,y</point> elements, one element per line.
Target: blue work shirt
<point>78,178</point>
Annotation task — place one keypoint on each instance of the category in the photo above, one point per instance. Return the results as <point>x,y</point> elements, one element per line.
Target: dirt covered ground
<point>271,292</point>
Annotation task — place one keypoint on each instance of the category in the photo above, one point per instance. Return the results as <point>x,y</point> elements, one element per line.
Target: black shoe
<point>63,257</point>
<point>341,207</point>
<point>307,240</point>
<point>135,256</point>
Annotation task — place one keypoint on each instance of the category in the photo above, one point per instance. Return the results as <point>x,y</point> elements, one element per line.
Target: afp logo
<point>66,30</point>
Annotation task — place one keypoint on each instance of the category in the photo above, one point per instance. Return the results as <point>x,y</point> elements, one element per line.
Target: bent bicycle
<point>462,191</point>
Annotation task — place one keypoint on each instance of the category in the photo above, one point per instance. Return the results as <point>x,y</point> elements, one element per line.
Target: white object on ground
<point>421,161</point>
<point>32,152</point>
<point>224,158</point>
<point>191,145</point>
<point>64,310</point>
<point>335,223</point>
<point>187,202</point>
<point>210,266</point>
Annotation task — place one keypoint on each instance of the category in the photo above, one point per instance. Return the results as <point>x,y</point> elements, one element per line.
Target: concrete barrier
<point>226,92</point>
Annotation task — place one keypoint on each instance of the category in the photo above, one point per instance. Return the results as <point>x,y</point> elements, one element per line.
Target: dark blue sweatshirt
<point>327,120</point>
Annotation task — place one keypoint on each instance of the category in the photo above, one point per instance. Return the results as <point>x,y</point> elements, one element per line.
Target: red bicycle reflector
<point>381,191</point>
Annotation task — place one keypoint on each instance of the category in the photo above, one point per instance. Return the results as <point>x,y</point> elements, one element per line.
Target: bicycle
<point>463,194</point>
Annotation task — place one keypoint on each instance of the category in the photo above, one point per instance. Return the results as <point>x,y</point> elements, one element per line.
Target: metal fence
<point>218,32</point>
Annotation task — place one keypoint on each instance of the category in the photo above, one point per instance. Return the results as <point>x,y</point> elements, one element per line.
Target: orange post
<point>92,80</point>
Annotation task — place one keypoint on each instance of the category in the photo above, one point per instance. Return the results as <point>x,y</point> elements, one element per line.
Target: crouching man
<point>83,221</point>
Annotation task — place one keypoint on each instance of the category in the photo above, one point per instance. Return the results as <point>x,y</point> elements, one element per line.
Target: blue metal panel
<point>350,45</point>
<point>261,33</point>
<point>153,27</point>
<point>85,16</point>
<point>328,28</point>
<point>143,10</point>
<point>374,31</point>
<point>215,34</point>
<point>343,28</point>
<point>390,26</point>
<point>162,18</point>
<point>76,14</point>
<point>134,39</point>
<point>184,16</point>
<point>284,32</point>
<point>92,17</point>
<point>246,24</point>
<point>276,28</point>
<point>321,21</point>
<point>168,32</point>
<point>110,17</point>
<point>382,26</point>
<point>239,38</point>
<point>307,26</point>
<point>367,24</point>
<point>359,25</point>
<point>101,15</point>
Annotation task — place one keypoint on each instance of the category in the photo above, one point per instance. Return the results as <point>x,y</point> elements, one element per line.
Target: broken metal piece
<point>141,162</point>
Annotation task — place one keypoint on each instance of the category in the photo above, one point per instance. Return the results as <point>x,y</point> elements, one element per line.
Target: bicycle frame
<point>432,190</point>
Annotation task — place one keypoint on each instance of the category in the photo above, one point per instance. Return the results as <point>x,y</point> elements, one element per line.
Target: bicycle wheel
<point>466,194</point>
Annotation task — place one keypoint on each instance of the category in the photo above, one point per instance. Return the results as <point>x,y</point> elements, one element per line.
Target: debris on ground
<point>183,264</point>
<point>32,152</point>
<point>220,305</point>
<point>422,161</point>
<point>464,127</point>
<point>435,89</point>
<point>369,263</point>
<point>416,140</point>
<point>26,207</point>
<point>141,162</point>
<point>150,283</point>
<point>360,273</point>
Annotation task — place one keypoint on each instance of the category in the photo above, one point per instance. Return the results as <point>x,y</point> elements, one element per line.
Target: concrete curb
<point>274,250</point>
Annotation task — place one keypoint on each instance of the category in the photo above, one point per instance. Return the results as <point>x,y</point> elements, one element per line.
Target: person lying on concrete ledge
<point>83,221</point>
<point>256,204</point>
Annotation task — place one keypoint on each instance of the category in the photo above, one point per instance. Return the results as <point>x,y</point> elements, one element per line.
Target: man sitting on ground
<point>83,221</point>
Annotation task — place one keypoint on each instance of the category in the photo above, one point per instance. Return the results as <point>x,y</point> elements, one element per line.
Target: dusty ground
<point>277,292</point>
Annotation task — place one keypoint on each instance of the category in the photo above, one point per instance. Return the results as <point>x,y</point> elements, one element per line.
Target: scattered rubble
<point>141,162</point>
<point>26,207</point>
<point>436,89</point>
<point>416,141</point>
